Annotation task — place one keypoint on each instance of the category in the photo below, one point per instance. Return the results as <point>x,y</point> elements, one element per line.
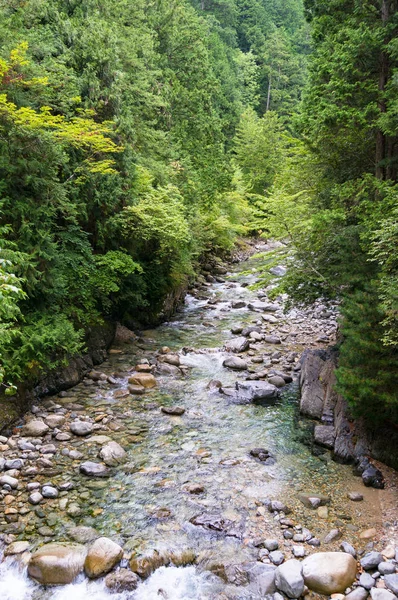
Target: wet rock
<point>373,477</point>
<point>236,575</point>
<point>289,578</point>
<point>371,560</point>
<point>113,454</point>
<point>355,496</point>
<point>329,572</point>
<point>313,499</point>
<point>194,488</point>
<point>101,557</point>
<point>366,581</point>
<point>171,359</point>
<point>262,577</point>
<point>82,534</point>
<point>167,369</point>
<point>92,469</point>
<point>346,547</point>
<point>144,368</point>
<point>325,435</point>
<point>263,455</point>
<point>213,522</point>
<point>81,428</point>
<point>380,594</point>
<point>63,437</point>
<point>237,330</point>
<point>57,563</point>
<point>146,380</point>
<point>235,363</point>
<point>391,582</point>
<point>136,390</point>
<point>238,304</point>
<point>277,506</point>
<point>122,580</point>
<point>49,492</point>
<point>334,534</point>
<point>15,463</point>
<point>257,391</point>
<point>35,429</point>
<point>16,548</point>
<point>239,344</point>
<point>214,385</point>
<point>276,557</point>
<point>173,410</point>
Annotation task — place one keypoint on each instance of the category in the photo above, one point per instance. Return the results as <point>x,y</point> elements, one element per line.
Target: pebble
<point>277,557</point>
<point>35,498</point>
<point>371,560</point>
<point>386,568</point>
<point>49,492</point>
<point>366,581</point>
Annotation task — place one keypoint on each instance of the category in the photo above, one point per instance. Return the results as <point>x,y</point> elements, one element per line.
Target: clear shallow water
<point>145,505</point>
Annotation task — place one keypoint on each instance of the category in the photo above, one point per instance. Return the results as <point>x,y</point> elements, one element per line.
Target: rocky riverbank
<point>185,449</point>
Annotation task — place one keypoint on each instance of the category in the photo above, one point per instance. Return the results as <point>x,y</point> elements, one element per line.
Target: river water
<point>145,505</point>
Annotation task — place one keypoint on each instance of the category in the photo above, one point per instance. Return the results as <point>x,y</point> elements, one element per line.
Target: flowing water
<point>146,505</point>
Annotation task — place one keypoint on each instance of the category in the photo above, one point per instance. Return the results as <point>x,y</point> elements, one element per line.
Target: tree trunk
<point>381,142</point>
<point>268,94</point>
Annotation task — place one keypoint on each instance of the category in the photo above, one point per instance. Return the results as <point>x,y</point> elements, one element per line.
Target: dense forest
<point>138,137</point>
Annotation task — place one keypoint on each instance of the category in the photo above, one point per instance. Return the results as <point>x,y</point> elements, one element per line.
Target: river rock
<point>373,477</point>
<point>167,369</point>
<point>102,556</point>
<point>289,578</point>
<point>238,304</point>
<point>329,572</point>
<point>334,534</point>
<point>35,429</point>
<point>371,560</point>
<point>277,506</point>
<point>16,548</point>
<point>54,421</point>
<point>272,339</point>
<point>146,380</point>
<point>113,454</point>
<point>81,428</point>
<point>238,344</point>
<point>92,469</point>
<point>313,499</point>
<point>386,568</point>
<point>8,480</point>
<point>271,545</point>
<point>257,391</point>
<point>380,594</point>
<point>83,534</point>
<point>171,359</point>
<point>346,547</point>
<point>276,380</point>
<point>262,576</point>
<point>35,498</point>
<point>57,563</point>
<point>355,496</point>
<point>359,593</point>
<point>392,583</point>
<point>277,557</point>
<point>122,580</point>
<point>173,410</point>
<point>235,363</point>
<point>48,491</point>
<point>366,581</point>
<point>136,390</point>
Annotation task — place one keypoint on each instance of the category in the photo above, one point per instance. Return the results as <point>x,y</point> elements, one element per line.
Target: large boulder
<point>329,572</point>
<point>325,435</point>
<point>146,380</point>
<point>112,454</point>
<point>57,563</point>
<point>258,392</point>
<point>102,556</point>
<point>289,578</point>
<point>239,344</point>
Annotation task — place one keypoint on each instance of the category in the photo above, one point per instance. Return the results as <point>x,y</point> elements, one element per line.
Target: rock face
<point>325,435</point>
<point>146,380</point>
<point>289,578</point>
<point>258,392</point>
<point>329,572</point>
<point>113,454</point>
<point>102,556</point>
<point>57,564</point>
